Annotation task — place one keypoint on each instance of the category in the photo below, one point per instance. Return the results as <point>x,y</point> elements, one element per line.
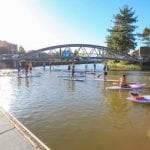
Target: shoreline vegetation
<point>122,65</point>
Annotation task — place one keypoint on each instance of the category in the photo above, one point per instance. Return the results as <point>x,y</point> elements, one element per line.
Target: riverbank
<point>126,66</point>
<point>14,135</point>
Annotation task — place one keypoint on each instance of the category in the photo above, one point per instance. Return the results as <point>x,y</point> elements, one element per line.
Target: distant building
<point>8,48</point>
<point>144,52</point>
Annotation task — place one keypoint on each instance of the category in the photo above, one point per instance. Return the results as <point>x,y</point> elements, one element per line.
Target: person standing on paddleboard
<point>69,68</point>
<point>86,68</point>
<point>105,69</point>
<point>94,67</point>
<point>26,68</point>
<point>73,71</point>
<point>19,68</point>
<point>30,66</point>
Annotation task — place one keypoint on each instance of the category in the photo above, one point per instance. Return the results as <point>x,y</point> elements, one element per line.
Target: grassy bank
<point>122,65</point>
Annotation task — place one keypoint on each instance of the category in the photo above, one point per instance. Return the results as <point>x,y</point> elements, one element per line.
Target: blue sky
<point>36,24</point>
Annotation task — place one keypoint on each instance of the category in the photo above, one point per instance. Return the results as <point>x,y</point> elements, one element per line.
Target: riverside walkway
<point>14,136</point>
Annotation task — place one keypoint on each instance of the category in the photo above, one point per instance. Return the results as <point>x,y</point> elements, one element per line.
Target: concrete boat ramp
<point>15,136</point>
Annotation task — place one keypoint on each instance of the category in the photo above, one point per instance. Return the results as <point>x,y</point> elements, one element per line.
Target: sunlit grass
<point>122,65</point>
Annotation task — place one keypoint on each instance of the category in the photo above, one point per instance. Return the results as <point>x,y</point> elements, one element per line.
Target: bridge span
<point>89,51</point>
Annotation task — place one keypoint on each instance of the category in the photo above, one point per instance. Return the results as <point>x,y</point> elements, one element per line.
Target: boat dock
<point>14,135</point>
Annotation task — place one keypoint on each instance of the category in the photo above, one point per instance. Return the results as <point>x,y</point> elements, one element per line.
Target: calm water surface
<point>69,115</point>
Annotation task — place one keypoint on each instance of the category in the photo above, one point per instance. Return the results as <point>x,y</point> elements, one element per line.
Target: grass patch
<point>123,65</point>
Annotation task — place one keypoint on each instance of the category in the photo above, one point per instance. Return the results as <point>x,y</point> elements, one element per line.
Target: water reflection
<point>19,82</point>
<point>6,92</point>
<point>79,115</point>
<point>27,82</point>
<point>71,86</point>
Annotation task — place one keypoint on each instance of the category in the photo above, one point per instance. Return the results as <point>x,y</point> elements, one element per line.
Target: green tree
<point>76,53</point>
<point>146,36</point>
<point>121,36</point>
<point>21,50</point>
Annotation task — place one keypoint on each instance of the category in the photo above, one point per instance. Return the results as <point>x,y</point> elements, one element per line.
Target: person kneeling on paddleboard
<point>123,82</point>
<point>136,96</point>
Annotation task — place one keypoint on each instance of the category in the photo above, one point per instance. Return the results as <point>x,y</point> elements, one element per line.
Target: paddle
<point>116,83</point>
<point>99,75</point>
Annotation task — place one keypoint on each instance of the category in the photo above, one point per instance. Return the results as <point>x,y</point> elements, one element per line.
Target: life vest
<point>30,65</point>
<point>122,82</point>
<point>139,97</point>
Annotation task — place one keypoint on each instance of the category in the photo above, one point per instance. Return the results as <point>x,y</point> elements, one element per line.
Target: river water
<point>71,115</point>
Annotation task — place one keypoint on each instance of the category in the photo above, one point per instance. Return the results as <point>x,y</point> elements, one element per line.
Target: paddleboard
<point>90,72</point>
<point>73,79</point>
<point>107,80</point>
<point>70,75</point>
<point>30,76</point>
<point>132,86</point>
<point>146,99</point>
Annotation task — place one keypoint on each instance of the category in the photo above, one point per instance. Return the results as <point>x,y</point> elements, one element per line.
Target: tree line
<point>122,36</point>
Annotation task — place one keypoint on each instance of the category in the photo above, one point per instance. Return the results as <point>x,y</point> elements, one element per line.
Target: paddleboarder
<point>105,69</point>
<point>136,96</point>
<point>123,82</point>
<point>94,67</point>
<point>30,66</point>
<point>73,70</point>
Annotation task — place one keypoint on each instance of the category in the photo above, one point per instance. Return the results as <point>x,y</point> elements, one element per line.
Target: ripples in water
<point>78,115</point>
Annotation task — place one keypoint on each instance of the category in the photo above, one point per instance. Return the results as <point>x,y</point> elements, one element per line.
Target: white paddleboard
<point>90,72</point>
<point>30,76</point>
<point>73,79</point>
<point>107,80</point>
<point>67,75</point>
<point>132,86</point>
